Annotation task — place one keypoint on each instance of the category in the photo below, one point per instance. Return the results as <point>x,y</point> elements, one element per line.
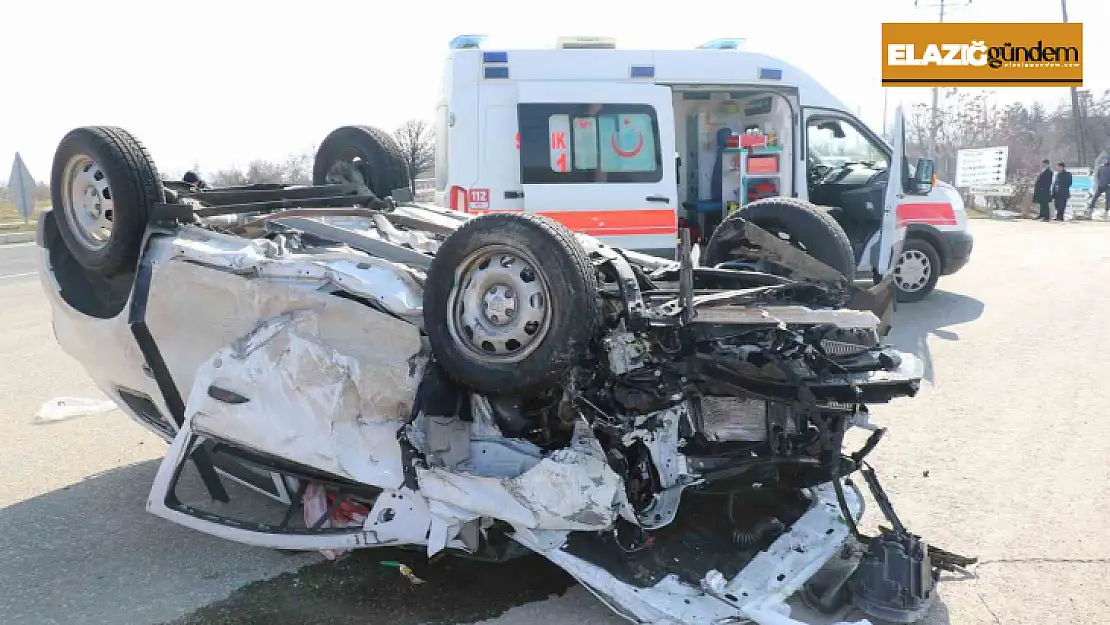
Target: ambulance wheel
<point>510,303</point>
<point>917,271</point>
<point>361,155</point>
<point>800,223</point>
<point>103,184</point>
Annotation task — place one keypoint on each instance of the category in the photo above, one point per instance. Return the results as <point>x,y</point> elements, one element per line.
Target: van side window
<point>589,143</point>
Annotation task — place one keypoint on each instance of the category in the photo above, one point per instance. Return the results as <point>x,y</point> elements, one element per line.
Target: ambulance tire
<point>494,263</point>
<point>916,271</point>
<point>379,159</point>
<point>803,224</point>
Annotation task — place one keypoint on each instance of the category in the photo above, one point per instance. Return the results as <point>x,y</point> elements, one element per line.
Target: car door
<point>600,158</point>
<point>893,234</point>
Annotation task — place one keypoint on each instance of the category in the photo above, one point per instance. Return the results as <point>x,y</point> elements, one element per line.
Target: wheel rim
<point>347,172</point>
<point>350,167</point>
<point>913,271</point>
<point>87,202</point>
<point>499,305</point>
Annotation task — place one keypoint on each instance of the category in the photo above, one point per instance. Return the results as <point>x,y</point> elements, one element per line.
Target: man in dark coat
<point>1042,191</point>
<point>1061,189</point>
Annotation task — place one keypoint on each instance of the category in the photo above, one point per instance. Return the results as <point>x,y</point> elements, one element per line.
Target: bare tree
<point>231,177</point>
<point>418,147</point>
<point>298,168</point>
<point>260,171</point>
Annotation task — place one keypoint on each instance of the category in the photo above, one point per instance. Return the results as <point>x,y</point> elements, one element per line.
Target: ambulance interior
<point>738,145</point>
<point>734,147</point>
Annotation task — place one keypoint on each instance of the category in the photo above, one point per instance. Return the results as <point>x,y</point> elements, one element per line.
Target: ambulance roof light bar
<point>467,42</point>
<point>723,44</point>
<point>586,43</point>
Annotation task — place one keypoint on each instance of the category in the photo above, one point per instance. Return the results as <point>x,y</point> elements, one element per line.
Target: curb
<point>17,237</point>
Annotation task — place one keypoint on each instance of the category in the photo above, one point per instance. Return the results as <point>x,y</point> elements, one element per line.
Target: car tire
<point>104,184</point>
<point>803,224</point>
<point>916,271</point>
<point>510,303</point>
<point>373,153</point>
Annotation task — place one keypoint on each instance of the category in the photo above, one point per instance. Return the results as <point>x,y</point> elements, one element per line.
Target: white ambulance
<point>627,145</point>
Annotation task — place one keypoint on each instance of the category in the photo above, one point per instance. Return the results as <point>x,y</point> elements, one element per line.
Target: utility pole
<point>934,126</point>
<point>1081,149</point>
<point>886,101</point>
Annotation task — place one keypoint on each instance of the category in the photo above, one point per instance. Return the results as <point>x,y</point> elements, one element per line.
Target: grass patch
<point>12,221</point>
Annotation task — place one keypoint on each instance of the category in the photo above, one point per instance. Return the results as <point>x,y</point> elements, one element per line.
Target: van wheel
<point>917,270</point>
<point>510,303</point>
<point>802,224</point>
<point>361,155</point>
<point>103,184</point>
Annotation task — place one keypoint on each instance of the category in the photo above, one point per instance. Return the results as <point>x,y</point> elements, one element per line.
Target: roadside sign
<point>997,190</point>
<point>22,186</point>
<point>1082,185</point>
<point>981,166</point>
<point>1081,179</point>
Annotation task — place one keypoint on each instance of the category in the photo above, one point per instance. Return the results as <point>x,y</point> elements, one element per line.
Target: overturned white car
<point>399,374</point>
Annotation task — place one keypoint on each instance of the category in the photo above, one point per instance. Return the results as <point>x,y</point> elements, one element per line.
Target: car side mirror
<point>922,180</point>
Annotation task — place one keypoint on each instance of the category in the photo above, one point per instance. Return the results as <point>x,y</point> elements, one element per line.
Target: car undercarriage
<point>397,374</point>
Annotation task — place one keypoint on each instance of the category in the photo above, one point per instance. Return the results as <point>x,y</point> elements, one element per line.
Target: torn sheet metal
<point>308,402</point>
<point>758,593</point>
<point>570,489</point>
<point>396,288</point>
<point>659,432</point>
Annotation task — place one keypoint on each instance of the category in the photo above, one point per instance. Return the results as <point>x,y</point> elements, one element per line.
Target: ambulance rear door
<point>600,158</point>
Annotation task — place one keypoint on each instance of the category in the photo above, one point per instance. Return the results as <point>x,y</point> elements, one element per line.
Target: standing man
<point>1061,189</point>
<point>1042,191</point>
<point>1102,184</point>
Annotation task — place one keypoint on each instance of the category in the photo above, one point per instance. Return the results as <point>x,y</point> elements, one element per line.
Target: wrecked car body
<point>401,375</point>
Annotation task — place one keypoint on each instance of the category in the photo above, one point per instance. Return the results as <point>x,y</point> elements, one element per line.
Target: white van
<point>627,145</point>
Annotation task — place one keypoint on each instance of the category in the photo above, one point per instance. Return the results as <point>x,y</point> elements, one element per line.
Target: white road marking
<point>18,275</point>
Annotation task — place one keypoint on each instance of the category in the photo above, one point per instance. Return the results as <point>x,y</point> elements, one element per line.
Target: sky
<point>217,83</point>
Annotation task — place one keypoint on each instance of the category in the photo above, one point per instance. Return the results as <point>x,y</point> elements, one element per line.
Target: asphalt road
<point>1002,455</point>
<point>17,261</point>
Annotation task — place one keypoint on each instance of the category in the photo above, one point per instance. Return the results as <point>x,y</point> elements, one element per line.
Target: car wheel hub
<point>500,305</point>
<point>913,271</point>
<point>87,202</point>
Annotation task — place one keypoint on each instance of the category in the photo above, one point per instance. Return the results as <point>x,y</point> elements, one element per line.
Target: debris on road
<point>404,570</point>
<point>66,408</point>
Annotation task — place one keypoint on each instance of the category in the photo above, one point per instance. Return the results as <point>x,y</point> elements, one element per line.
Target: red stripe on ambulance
<point>932,213</point>
<point>643,221</point>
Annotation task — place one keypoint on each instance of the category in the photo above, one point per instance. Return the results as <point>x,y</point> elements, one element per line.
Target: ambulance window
<point>627,143</point>
<point>558,128</point>
<point>583,143</point>
<point>584,134</point>
<point>834,142</point>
